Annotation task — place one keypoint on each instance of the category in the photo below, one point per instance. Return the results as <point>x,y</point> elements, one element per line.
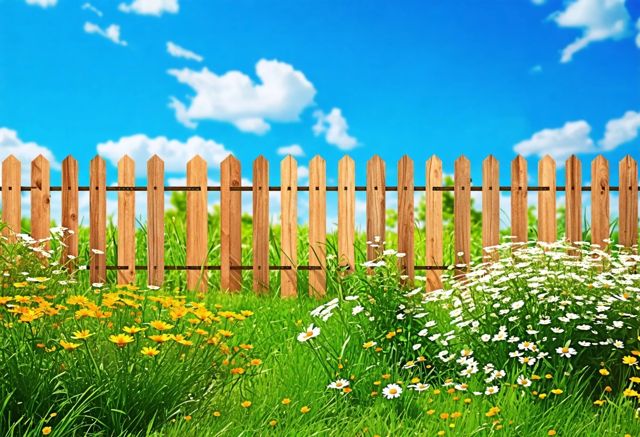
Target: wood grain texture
<point>376,207</point>
<point>573,192</point>
<point>547,225</point>
<point>289,220</point>
<point>11,197</point>
<point>97,219</point>
<point>155,220</point>
<point>628,172</point>
<point>406,231</point>
<point>318,226</point>
<point>462,214</point>
<point>70,211</point>
<point>197,224</point>
<point>230,224</point>
<point>519,206</point>
<point>433,225</point>
<point>599,201</point>
<point>490,206</point>
<point>40,200</point>
<point>260,225</point>
<point>346,212</point>
<point>126,221</point>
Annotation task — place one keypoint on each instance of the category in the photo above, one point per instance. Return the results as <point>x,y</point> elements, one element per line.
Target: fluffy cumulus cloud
<point>599,20</point>
<point>175,153</point>
<point>150,7</point>
<point>42,3</point>
<point>180,52</point>
<point>24,151</point>
<point>335,129</point>
<point>280,96</point>
<point>91,8</point>
<point>621,130</point>
<point>293,150</point>
<point>112,32</point>
<point>572,138</point>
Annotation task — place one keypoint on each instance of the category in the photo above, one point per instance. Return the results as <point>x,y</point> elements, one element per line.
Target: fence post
<point>97,219</point>
<point>490,206</point>
<point>433,222</point>
<point>318,226</point>
<point>547,228</point>
<point>126,221</point>
<point>376,207</point>
<point>599,201</point>
<point>289,230</point>
<point>11,197</point>
<point>230,224</point>
<point>40,200</point>
<point>405,216</point>
<point>260,225</point>
<point>70,211</point>
<point>628,201</point>
<point>573,192</point>
<point>346,212</point>
<point>519,207</point>
<point>155,220</point>
<point>462,214</point>
<point>197,224</point>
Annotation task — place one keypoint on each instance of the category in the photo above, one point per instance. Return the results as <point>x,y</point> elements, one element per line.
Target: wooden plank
<point>318,226</point>
<point>433,223</point>
<point>97,219</point>
<point>406,230</point>
<point>376,207</point>
<point>70,211</point>
<point>346,212</point>
<point>197,224</point>
<point>11,197</point>
<point>155,220</point>
<point>599,201</point>
<point>40,200</point>
<point>547,225</point>
<point>573,192</point>
<point>230,224</point>
<point>519,206</point>
<point>126,221</point>
<point>462,214</point>
<point>490,206</point>
<point>628,201</point>
<point>260,225</point>
<point>289,221</point>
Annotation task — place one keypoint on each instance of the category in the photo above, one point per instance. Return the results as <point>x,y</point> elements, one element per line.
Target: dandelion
<point>159,338</point>
<point>69,346</point>
<point>160,325</point>
<point>46,430</point>
<point>392,391</point>
<point>557,391</point>
<point>81,335</point>
<point>245,404</point>
<point>285,401</point>
<point>273,423</point>
<point>629,360</point>
<point>149,351</point>
<point>310,333</point>
<point>121,340</point>
<point>305,409</point>
<point>132,329</point>
<point>603,372</point>
<point>369,344</point>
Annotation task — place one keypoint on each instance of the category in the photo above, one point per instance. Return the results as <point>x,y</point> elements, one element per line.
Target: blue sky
<point>332,77</point>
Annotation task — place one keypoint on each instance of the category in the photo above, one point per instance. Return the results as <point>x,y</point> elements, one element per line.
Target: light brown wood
<point>70,211</point>
<point>318,226</point>
<point>599,201</point>
<point>406,231</point>
<point>260,225</point>
<point>434,222</point>
<point>573,192</point>
<point>628,201</point>
<point>376,207</point>
<point>97,219</point>
<point>289,220</point>
<point>490,206</point>
<point>230,224</point>
<point>126,221</point>
<point>462,214</point>
<point>346,212</point>
<point>547,225</point>
<point>519,206</point>
<point>40,200</point>
<point>197,224</point>
<point>155,220</point>
<point>11,197</point>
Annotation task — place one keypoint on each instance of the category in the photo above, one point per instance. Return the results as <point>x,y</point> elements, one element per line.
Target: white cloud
<point>112,32</point>
<point>293,150</point>
<point>560,143</point>
<point>42,3</point>
<point>180,52</point>
<point>598,19</point>
<point>25,152</point>
<point>233,97</point>
<point>621,130</point>
<point>538,2</point>
<point>335,128</point>
<point>150,7</point>
<point>90,7</point>
<point>303,172</point>
<point>175,153</point>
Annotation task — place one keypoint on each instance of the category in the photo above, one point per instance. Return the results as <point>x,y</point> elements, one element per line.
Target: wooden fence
<point>231,189</point>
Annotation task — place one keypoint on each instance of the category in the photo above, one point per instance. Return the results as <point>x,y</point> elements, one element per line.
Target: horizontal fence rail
<point>231,189</point>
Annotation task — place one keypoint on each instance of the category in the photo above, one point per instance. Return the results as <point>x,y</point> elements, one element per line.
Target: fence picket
<point>628,174</point>
<point>547,227</point>
<point>11,197</point>
<point>126,221</point>
<point>490,205</point>
<point>433,225</point>
<point>318,226</point>
<point>40,200</point>
<point>197,224</point>
<point>289,222</point>
<point>405,215</point>
<point>155,220</point>
<point>519,207</point>
<point>70,211</point>
<point>260,225</point>
<point>230,224</point>
<point>573,192</point>
<point>462,214</point>
<point>376,206</point>
<point>599,201</point>
<point>98,219</point>
<point>346,212</point>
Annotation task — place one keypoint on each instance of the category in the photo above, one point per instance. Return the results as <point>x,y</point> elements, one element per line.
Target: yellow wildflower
<point>121,340</point>
<point>149,351</point>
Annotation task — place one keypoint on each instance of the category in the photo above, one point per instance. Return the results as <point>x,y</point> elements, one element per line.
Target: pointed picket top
<point>155,159</point>
<point>490,159</point>
<point>126,159</point>
<point>405,160</point>
<point>375,160</point>
<point>461,160</point>
<point>572,160</point>
<point>547,163</point>
<point>69,159</point>
<point>627,161</point>
<point>97,160</point>
<point>230,160</point>
<point>317,160</point>
<point>548,158</point>
<point>10,160</point>
<point>434,159</point>
<point>518,160</point>
<point>40,159</point>
<point>600,161</point>
<point>346,160</point>
<point>461,164</point>
<point>260,159</point>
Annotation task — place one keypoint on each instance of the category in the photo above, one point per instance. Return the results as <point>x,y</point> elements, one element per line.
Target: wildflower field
<point>543,341</point>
